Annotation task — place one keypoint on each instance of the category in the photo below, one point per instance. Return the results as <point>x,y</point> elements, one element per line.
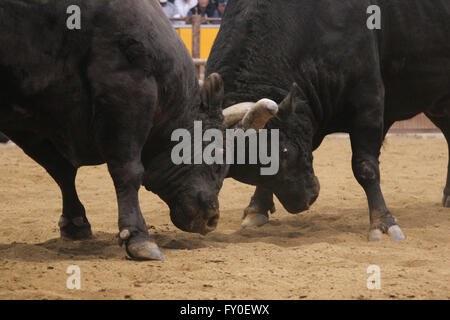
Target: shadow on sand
<point>332,227</point>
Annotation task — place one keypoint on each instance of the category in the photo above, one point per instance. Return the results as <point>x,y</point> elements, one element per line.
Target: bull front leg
<point>256,214</point>
<point>127,177</point>
<point>124,113</point>
<point>366,137</point>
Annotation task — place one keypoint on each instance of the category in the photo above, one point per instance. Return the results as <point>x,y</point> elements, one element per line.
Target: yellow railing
<point>198,38</point>
<point>208,34</point>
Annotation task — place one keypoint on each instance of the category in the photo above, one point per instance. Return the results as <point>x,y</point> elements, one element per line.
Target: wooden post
<point>196,23</point>
<point>200,68</point>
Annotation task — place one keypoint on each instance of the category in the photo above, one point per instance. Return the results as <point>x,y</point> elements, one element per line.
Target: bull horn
<point>259,114</point>
<point>236,113</point>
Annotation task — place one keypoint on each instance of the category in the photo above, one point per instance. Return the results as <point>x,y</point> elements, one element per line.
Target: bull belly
<point>405,99</point>
<point>74,143</point>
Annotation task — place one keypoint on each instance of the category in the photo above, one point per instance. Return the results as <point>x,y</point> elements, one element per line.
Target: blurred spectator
<point>184,6</point>
<point>221,4</point>
<point>205,9</point>
<point>170,10</point>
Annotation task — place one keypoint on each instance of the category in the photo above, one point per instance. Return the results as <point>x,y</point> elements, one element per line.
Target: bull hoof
<point>396,233</point>
<point>144,250</point>
<point>384,222</point>
<point>393,231</point>
<point>255,220</point>
<point>375,235</point>
<point>78,228</point>
<point>140,248</point>
<point>255,216</point>
<point>446,201</point>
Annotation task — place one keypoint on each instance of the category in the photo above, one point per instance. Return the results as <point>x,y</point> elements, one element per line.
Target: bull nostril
<point>211,217</point>
<point>212,222</point>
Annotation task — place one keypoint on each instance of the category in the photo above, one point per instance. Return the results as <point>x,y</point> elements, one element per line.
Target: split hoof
<point>78,228</point>
<point>393,231</point>
<point>254,216</point>
<point>255,220</point>
<point>446,201</point>
<point>375,235</point>
<point>396,233</point>
<point>144,250</point>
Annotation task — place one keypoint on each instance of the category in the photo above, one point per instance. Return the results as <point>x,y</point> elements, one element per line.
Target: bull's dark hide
<point>350,79</point>
<point>110,92</point>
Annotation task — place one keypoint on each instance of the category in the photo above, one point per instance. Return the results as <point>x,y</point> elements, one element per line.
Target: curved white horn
<point>259,114</point>
<point>236,113</point>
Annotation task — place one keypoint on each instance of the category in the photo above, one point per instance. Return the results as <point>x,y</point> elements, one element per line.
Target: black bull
<point>349,78</point>
<point>111,92</point>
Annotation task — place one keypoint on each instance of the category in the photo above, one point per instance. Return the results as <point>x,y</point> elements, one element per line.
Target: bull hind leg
<point>443,123</point>
<point>73,223</point>
<point>256,214</point>
<point>124,112</point>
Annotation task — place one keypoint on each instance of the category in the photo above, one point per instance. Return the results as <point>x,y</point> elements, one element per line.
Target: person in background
<point>183,6</point>
<point>221,4</point>
<point>205,9</point>
<point>170,10</point>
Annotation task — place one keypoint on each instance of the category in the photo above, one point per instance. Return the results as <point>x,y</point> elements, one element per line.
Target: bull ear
<point>212,94</point>
<point>287,106</point>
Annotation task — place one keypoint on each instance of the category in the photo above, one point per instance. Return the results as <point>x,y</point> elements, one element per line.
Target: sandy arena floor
<point>322,253</point>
